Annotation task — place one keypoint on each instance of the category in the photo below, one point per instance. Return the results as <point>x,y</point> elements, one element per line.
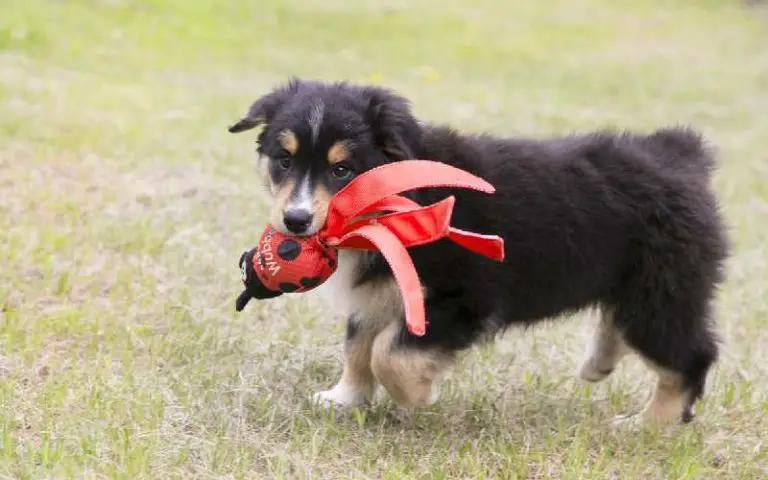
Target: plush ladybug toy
<point>253,286</point>
<point>284,264</point>
<point>368,214</point>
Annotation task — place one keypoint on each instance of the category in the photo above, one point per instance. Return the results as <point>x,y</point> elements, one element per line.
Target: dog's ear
<point>396,131</point>
<point>263,110</point>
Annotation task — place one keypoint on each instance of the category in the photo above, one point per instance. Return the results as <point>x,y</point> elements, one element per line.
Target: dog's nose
<point>297,220</point>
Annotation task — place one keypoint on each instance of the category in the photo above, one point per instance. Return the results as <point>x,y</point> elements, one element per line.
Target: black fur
<point>616,220</point>
<point>352,327</point>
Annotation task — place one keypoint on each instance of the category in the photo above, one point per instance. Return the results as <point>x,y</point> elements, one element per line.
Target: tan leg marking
<point>408,375</point>
<point>357,383</point>
<point>666,405</point>
<point>606,348</point>
<point>668,401</point>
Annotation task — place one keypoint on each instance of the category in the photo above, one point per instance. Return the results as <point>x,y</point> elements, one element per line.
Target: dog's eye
<point>284,162</point>
<point>341,171</point>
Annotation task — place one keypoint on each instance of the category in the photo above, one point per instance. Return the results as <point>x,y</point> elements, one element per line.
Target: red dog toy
<point>368,214</point>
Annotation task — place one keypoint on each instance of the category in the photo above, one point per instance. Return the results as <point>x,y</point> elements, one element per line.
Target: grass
<point>124,206</point>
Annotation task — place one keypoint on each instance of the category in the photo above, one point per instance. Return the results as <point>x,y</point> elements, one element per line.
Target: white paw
<point>339,396</point>
<point>591,371</point>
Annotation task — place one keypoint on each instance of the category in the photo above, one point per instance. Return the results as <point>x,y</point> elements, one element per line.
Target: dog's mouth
<point>313,229</point>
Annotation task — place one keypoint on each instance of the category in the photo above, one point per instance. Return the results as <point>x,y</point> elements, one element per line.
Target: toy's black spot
<point>332,263</point>
<point>288,249</point>
<point>262,261</point>
<point>310,282</point>
<point>288,287</point>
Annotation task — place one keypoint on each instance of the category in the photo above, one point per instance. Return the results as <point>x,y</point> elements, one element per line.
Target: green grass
<point>124,206</point>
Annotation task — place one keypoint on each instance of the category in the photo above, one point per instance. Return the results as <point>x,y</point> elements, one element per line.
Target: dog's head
<point>317,137</point>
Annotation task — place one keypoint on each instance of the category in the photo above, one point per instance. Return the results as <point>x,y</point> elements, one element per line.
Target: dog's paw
<point>592,371</point>
<point>427,399</point>
<point>635,422</point>
<point>339,396</point>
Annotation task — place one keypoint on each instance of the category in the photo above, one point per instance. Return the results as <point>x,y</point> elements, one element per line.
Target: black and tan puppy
<point>624,222</point>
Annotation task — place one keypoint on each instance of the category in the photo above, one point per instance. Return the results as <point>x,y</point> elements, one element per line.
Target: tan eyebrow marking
<point>338,152</point>
<point>289,141</point>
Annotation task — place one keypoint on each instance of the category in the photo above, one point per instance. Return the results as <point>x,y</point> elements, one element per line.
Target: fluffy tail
<point>683,150</point>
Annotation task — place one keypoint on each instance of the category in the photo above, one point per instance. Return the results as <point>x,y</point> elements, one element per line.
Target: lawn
<point>125,204</point>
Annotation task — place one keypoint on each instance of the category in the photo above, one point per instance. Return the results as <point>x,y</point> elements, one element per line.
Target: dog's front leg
<point>357,384</point>
<point>409,367</point>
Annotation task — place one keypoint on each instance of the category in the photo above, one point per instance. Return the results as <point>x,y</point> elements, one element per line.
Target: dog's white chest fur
<point>373,303</point>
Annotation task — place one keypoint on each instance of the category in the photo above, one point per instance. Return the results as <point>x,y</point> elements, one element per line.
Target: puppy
<point>623,222</point>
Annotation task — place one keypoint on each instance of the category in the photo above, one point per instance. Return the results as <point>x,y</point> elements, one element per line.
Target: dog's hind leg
<point>408,372</point>
<point>671,399</point>
<point>679,384</point>
<point>605,350</point>
<point>674,339</point>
